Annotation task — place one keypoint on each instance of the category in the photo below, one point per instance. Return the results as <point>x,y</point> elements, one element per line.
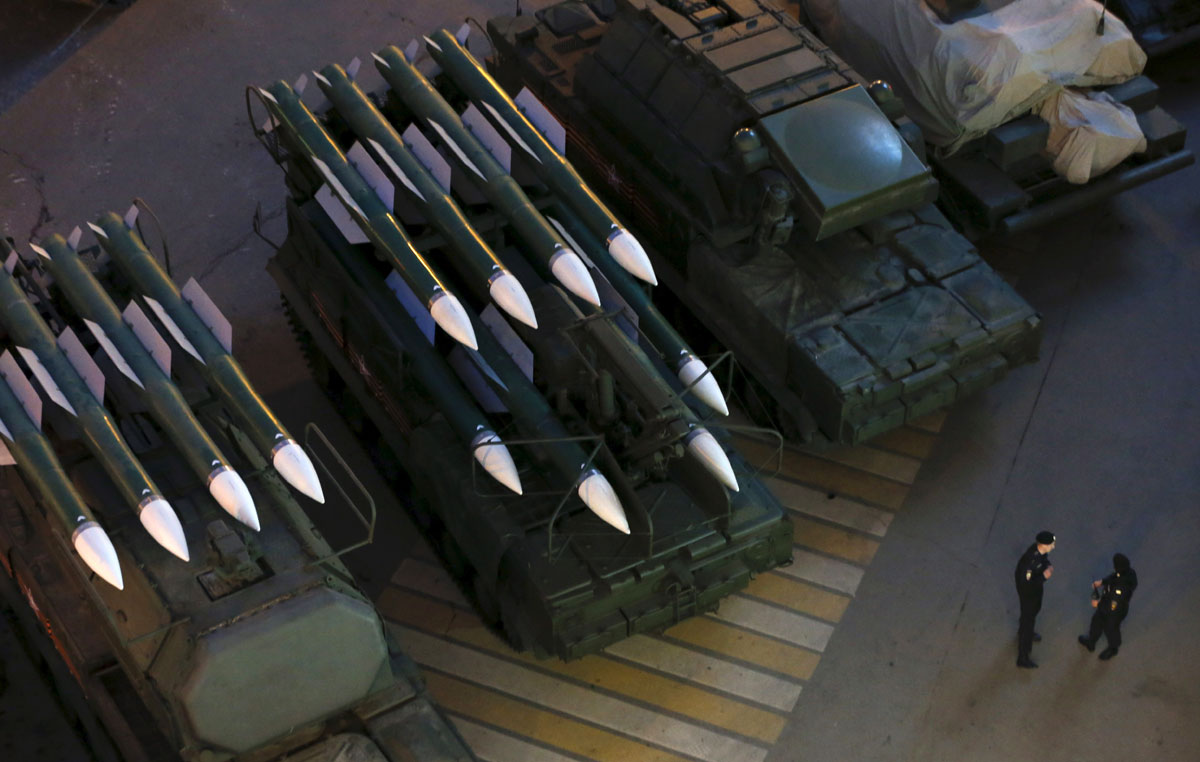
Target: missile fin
<point>511,132</point>
<point>73,239</point>
<point>431,44</point>
<point>373,174</point>
<point>98,230</point>
<point>39,250</point>
<point>10,263</point>
<point>412,305</point>
<point>518,350</point>
<point>379,59</point>
<point>149,336</point>
<point>537,113</point>
<point>83,363</point>
<point>395,168</point>
<point>441,131</point>
<point>209,314</point>
<point>427,155</point>
<point>411,49</point>
<point>24,391</point>
<point>485,133</point>
<point>113,353</point>
<point>321,78</point>
<point>300,84</point>
<point>341,218</point>
<point>337,186</point>
<point>6,458</point>
<point>268,96</point>
<point>463,33</point>
<point>353,67</point>
<point>562,231</point>
<point>46,380</point>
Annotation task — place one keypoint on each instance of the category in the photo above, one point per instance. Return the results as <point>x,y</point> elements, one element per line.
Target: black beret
<point>1120,562</point>
<point>1045,538</point>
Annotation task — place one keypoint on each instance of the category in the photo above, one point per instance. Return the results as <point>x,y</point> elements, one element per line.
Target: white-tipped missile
<point>491,453</point>
<point>159,519</point>
<point>508,292</point>
<point>573,274</point>
<point>630,255</point>
<point>707,390</point>
<point>97,551</point>
<point>598,495</point>
<point>231,493</point>
<point>292,463</point>
<point>705,447</point>
<point>450,316</point>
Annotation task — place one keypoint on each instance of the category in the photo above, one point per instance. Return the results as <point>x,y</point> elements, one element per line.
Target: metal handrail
<point>311,429</point>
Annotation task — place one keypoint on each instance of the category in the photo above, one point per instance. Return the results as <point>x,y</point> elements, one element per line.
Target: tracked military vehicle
<point>490,339</point>
<point>1160,26</point>
<point>199,638</point>
<point>785,201</point>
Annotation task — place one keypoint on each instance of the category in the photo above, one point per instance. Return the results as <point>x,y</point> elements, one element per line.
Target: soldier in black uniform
<point>1033,569</point>
<point>1110,598</point>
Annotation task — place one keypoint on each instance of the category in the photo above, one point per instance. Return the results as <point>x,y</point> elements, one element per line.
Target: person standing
<point>1110,598</point>
<point>1033,569</point>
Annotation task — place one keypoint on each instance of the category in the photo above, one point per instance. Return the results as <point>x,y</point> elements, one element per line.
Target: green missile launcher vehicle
<point>243,644</point>
<point>784,200</point>
<point>571,483</point>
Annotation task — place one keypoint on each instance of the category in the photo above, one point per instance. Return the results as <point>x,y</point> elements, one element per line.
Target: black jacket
<point>1028,574</point>
<point>1115,592</point>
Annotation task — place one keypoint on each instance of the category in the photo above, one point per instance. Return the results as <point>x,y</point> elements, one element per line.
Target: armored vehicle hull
<point>258,647</point>
<point>785,211</point>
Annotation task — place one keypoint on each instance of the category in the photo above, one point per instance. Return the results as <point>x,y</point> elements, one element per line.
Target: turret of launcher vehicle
<point>26,446</point>
<point>401,156</point>
<point>61,372</point>
<point>373,217</point>
<point>504,193</point>
<point>194,321</point>
<point>130,347</point>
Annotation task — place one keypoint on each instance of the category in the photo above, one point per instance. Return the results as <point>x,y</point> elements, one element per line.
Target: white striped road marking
<point>775,621</point>
<point>839,510</point>
<point>830,572</point>
<point>708,670</point>
<point>586,704</point>
<point>492,746</point>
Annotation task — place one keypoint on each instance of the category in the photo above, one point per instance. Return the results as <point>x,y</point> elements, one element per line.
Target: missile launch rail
<point>780,205</point>
<point>552,576</point>
<point>260,647</point>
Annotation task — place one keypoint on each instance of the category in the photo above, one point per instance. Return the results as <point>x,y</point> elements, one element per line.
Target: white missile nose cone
<point>598,495</point>
<point>573,274</point>
<point>231,493</point>
<point>707,390</point>
<point>496,460</point>
<point>450,316</point>
<point>631,256</point>
<point>159,519</point>
<point>508,292</point>
<point>293,465</point>
<point>93,546</point>
<point>704,446</point>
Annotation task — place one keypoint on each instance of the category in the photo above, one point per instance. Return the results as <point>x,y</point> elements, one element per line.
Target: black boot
<point>1108,653</point>
<point>1026,662</point>
<point>1089,645</point>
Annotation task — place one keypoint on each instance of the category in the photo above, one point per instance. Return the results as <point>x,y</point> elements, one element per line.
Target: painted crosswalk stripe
<point>829,572</point>
<point>834,541</point>
<point>798,596</point>
<point>494,708</point>
<point>837,510</point>
<point>906,440</point>
<point>492,746</point>
<point>738,643</point>
<point>774,621</point>
<point>627,681</point>
<point>874,460</point>
<point>716,673</point>
<point>591,706</point>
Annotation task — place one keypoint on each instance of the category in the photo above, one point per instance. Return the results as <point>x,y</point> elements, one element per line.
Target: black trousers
<point>1031,604</point>
<point>1109,623</point>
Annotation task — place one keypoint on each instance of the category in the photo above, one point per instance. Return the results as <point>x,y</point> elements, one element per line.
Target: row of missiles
<point>359,195</point>
<point>72,380</point>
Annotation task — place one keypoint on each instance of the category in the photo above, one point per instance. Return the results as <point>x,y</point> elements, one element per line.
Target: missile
<point>703,446</point>
<point>432,372</point>
<point>548,248</point>
<point>550,164</point>
<point>55,369</point>
<point>157,389</point>
<point>32,453</point>
<point>366,209</point>
<point>474,255</point>
<point>692,372</point>
<point>220,370</point>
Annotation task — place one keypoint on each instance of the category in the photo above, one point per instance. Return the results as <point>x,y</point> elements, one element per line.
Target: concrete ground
<point>1097,442</point>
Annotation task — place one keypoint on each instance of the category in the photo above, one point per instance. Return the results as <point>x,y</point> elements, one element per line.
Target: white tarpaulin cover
<point>1090,133</point>
<point>962,79</point>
